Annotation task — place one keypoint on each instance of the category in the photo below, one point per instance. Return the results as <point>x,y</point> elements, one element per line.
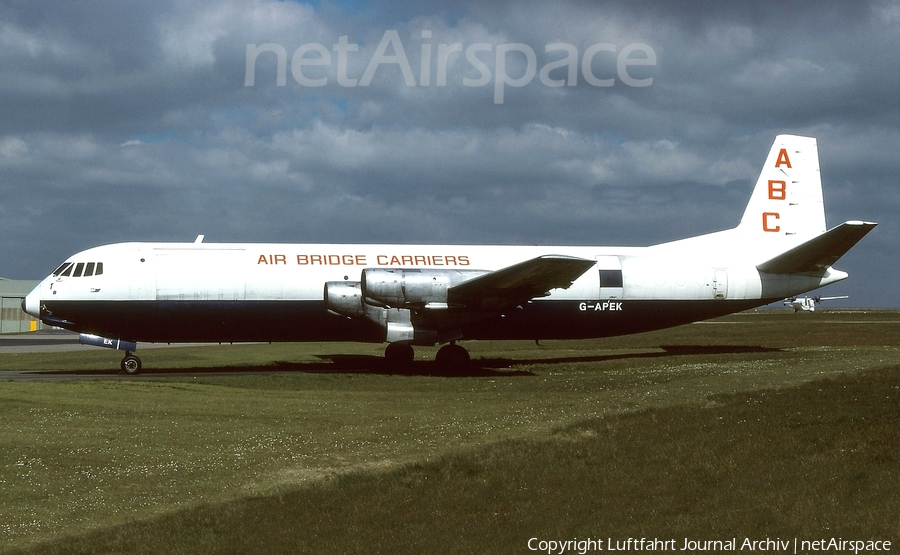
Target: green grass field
<point>760,425</point>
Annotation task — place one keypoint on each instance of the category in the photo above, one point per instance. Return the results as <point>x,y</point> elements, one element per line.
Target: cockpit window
<point>81,269</point>
<point>64,266</point>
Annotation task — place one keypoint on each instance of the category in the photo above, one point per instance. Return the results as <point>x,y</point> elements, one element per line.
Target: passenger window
<point>89,269</point>
<point>78,269</point>
<point>99,269</point>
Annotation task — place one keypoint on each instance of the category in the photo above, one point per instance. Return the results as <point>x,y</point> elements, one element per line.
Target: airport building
<point>12,318</point>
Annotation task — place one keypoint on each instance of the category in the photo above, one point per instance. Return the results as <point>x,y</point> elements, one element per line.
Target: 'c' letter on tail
<point>768,227</point>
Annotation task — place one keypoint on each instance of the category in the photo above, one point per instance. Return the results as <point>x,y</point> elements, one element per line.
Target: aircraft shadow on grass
<point>480,367</point>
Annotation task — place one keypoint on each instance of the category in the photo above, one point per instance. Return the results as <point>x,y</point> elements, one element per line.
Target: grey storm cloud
<point>134,121</point>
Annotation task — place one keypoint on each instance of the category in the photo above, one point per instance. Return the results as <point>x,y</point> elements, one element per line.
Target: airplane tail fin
<point>785,217</point>
<point>786,207</point>
<point>783,227</point>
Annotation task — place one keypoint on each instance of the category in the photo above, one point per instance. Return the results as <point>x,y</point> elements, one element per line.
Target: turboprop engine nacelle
<point>412,287</point>
<point>344,298</point>
<point>390,297</point>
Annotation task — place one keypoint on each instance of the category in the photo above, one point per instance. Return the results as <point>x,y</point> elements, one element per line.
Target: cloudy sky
<point>460,121</point>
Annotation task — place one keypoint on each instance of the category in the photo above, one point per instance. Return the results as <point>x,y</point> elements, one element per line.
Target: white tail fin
<point>783,228</point>
<point>786,206</point>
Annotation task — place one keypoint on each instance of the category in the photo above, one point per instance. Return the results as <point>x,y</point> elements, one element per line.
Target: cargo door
<point>611,282</point>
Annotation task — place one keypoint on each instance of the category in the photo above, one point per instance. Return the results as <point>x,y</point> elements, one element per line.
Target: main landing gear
<point>452,357</point>
<point>449,358</point>
<point>399,354</point>
<point>131,364</point>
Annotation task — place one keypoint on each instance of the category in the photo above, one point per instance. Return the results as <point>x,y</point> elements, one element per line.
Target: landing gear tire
<point>452,358</point>
<point>131,364</point>
<point>399,354</point>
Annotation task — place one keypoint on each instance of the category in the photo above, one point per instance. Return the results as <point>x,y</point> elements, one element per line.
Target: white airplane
<point>808,304</point>
<point>117,295</point>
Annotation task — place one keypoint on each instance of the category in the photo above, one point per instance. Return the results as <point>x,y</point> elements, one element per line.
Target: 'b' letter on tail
<point>777,190</point>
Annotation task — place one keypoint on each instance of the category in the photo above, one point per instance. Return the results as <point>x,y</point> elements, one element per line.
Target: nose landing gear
<point>131,364</point>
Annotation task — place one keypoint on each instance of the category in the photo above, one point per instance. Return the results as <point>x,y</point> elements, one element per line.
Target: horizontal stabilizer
<point>818,253</point>
<point>519,283</point>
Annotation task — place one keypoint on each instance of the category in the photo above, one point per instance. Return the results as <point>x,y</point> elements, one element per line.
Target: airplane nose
<point>31,304</point>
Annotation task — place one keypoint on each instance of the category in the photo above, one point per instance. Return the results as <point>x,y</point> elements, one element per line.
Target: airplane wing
<point>820,252</point>
<point>519,283</point>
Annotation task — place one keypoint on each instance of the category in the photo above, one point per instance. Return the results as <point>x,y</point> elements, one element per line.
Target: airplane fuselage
<point>180,292</point>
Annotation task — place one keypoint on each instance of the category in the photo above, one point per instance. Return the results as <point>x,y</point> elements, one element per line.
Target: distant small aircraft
<point>406,295</point>
<point>808,304</point>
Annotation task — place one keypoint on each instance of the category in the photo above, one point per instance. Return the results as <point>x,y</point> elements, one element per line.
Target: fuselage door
<point>611,282</point>
<point>720,284</point>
